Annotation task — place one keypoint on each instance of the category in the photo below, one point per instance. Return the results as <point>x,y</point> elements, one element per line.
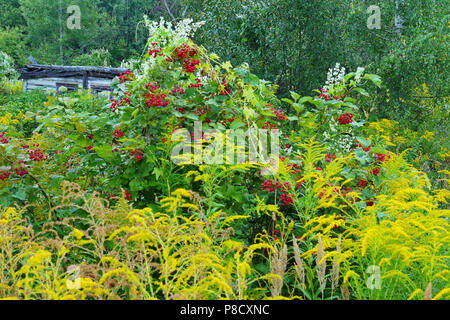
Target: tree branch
<point>184,11</point>
<point>168,10</point>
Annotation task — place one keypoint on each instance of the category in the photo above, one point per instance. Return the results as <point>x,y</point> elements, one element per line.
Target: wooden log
<point>46,71</point>
<point>85,80</point>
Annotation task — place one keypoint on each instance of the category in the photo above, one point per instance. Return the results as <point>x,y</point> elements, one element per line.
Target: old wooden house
<point>72,77</point>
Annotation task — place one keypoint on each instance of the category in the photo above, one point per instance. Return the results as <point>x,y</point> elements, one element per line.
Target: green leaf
<point>306,99</point>
<point>362,91</point>
<point>237,124</point>
<point>20,194</point>
<point>374,78</point>
<point>192,116</point>
<point>136,185</point>
<point>158,172</point>
<point>294,95</point>
<point>298,107</point>
<point>287,101</point>
<point>105,152</point>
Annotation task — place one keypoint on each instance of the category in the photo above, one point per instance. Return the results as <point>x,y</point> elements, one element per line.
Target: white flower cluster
<point>359,73</point>
<point>335,76</point>
<point>343,142</point>
<point>7,66</point>
<point>339,140</point>
<point>346,142</point>
<point>181,30</point>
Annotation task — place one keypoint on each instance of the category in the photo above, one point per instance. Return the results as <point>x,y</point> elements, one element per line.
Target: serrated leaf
<point>294,95</point>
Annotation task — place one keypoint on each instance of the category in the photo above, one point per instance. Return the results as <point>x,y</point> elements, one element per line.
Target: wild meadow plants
<point>93,205</point>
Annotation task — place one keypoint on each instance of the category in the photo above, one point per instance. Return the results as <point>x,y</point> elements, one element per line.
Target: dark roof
<point>33,71</point>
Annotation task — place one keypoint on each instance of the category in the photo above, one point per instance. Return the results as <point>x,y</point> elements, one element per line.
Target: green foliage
<point>12,43</point>
<point>10,14</point>
<point>97,57</point>
<point>7,67</point>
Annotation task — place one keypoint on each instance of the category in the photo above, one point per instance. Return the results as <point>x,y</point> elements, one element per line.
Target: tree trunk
<point>61,57</point>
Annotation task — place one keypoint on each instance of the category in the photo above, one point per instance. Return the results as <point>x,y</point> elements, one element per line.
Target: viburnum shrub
<point>174,84</point>
<point>127,143</point>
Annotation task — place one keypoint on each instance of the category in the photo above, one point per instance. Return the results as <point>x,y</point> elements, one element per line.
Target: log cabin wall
<point>36,76</point>
<point>96,84</point>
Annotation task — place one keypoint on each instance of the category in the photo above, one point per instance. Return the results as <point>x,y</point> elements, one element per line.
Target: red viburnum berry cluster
<point>375,171</point>
<point>127,76</point>
<point>278,113</point>
<point>127,195</point>
<point>269,126</point>
<point>155,51</point>
<point>3,138</point>
<point>287,199</point>
<point>177,90</point>
<point>137,154</point>
<point>346,118</point>
<point>125,99</point>
<point>114,105</point>
<point>122,102</point>
<point>152,86</point>
<point>381,157</point>
<point>152,99</point>
<point>111,195</point>
<point>202,110</point>
<point>330,157</point>
<point>37,155</point>
<point>156,100</point>
<point>370,203</point>
<point>344,191</point>
<point>21,171</point>
<point>226,90</point>
<point>118,133</point>
<point>326,96</point>
<point>196,85</point>
<point>228,120</point>
<point>362,183</point>
<point>276,234</point>
<point>359,145</point>
<point>4,175</point>
<point>190,65</point>
<point>270,186</point>
<point>184,51</point>
<point>294,168</point>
